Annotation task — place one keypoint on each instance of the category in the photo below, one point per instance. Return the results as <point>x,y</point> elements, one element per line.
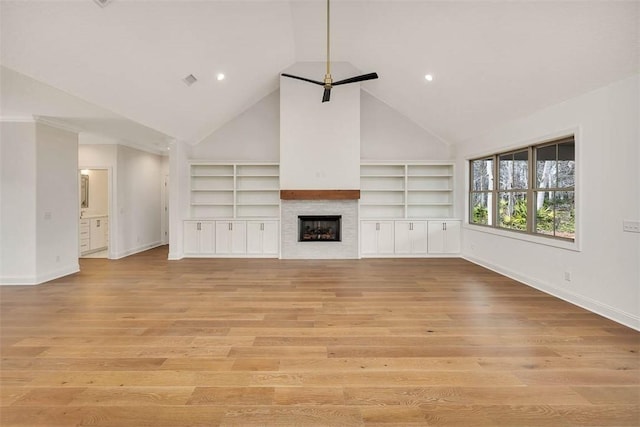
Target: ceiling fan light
<point>428,77</point>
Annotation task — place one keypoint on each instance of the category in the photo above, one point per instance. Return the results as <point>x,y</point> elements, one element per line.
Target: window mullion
<point>496,184</point>
<point>531,214</point>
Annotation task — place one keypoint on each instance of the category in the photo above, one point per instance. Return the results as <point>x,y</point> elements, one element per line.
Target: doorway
<point>94,213</point>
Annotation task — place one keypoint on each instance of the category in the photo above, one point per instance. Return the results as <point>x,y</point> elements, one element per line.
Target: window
<point>530,190</point>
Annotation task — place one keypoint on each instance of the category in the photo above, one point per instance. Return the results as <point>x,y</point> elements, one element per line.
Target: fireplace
<point>319,228</point>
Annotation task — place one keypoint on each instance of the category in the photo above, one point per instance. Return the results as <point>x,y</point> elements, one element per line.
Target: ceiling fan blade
<point>303,79</point>
<point>326,95</point>
<point>356,79</point>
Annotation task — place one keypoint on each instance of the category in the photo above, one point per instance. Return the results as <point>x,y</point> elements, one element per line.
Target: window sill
<point>539,240</point>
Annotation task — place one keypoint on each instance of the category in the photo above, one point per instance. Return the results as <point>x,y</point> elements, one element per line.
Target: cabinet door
<point>255,237</point>
<point>262,237</point>
<point>231,237</point>
<point>191,237</point>
<point>369,237</point>
<point>270,237</point>
<point>452,237</point>
<point>97,233</point>
<point>411,237</point>
<point>238,237</point>
<point>207,237</point>
<point>385,238</point>
<point>402,237</point>
<point>444,237</point>
<point>436,237</point>
<point>223,237</point>
<point>419,237</point>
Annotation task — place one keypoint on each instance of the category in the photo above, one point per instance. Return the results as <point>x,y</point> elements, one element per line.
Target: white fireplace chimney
<point>319,142</point>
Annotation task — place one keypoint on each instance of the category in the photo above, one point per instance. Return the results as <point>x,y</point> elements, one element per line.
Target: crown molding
<point>57,123</point>
<point>17,119</point>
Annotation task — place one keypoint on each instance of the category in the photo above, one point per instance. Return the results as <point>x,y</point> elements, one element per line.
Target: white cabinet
<point>97,231</point>
<point>94,234</point>
<point>376,238</point>
<point>85,236</point>
<point>209,238</point>
<point>411,237</point>
<point>199,237</point>
<point>262,237</point>
<point>239,204</point>
<point>405,237</point>
<point>444,237</point>
<point>231,237</point>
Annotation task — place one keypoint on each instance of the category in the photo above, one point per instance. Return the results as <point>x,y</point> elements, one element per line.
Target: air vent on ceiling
<point>190,79</point>
<point>103,3</point>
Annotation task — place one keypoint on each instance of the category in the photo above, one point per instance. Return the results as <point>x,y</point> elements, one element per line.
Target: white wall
<point>388,135</point>
<point>605,271</point>
<point>319,142</point>
<point>57,202</point>
<point>39,203</point>
<point>139,200</point>
<point>135,217</point>
<point>253,136</point>
<point>17,202</point>
<point>179,196</point>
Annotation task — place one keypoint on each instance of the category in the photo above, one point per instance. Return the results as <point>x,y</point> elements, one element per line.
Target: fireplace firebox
<point>319,228</point>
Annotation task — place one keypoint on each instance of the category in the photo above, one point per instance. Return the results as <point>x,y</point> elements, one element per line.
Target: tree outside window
<point>530,190</point>
<point>554,192</point>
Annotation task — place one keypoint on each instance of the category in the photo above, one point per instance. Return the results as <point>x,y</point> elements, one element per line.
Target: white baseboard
<point>587,303</point>
<point>174,256</point>
<point>41,278</point>
<point>137,250</point>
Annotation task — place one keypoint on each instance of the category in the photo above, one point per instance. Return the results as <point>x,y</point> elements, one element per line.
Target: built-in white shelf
<point>406,190</point>
<point>237,190</point>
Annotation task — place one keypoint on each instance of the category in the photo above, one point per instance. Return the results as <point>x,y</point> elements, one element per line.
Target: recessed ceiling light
<point>220,76</point>
<point>428,77</point>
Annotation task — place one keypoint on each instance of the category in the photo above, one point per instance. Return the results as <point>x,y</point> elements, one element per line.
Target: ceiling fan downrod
<point>328,83</point>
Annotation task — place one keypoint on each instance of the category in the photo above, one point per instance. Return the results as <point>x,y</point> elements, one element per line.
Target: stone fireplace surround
<point>291,248</point>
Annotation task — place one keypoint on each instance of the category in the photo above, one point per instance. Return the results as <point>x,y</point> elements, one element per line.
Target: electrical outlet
<point>567,276</point>
<point>631,226</point>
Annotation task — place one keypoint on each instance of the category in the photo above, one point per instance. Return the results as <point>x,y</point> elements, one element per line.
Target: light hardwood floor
<point>204,342</point>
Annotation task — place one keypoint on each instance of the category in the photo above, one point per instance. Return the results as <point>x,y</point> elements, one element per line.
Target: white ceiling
<point>492,61</point>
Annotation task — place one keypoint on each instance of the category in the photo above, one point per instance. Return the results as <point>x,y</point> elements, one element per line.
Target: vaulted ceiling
<point>123,65</point>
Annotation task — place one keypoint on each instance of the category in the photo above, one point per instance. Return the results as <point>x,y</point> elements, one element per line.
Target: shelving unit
<point>257,191</point>
<point>382,191</point>
<point>406,190</point>
<point>235,190</point>
<point>429,191</point>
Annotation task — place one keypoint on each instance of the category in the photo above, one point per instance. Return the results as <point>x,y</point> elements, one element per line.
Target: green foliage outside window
<point>515,218</point>
<point>480,214</point>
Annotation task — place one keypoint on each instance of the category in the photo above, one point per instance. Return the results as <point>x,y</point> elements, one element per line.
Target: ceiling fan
<point>328,82</point>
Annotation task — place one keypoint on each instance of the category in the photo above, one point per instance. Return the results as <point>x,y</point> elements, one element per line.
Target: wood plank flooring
<point>219,342</point>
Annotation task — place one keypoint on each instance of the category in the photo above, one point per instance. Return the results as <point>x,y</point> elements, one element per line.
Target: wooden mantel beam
<point>319,194</point>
